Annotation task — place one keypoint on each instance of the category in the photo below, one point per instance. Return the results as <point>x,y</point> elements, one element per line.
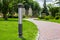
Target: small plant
<point>41,17</point>
<point>47,17</point>
<point>57,17</point>
<point>51,17</point>
<point>24,16</point>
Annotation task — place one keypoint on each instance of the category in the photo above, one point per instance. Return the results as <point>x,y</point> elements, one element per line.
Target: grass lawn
<point>54,20</point>
<point>9,30</point>
<point>51,20</point>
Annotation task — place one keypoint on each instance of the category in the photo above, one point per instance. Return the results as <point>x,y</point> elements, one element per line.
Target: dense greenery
<point>54,20</point>
<point>34,5</point>
<point>27,5</point>
<point>36,8</point>
<point>9,30</point>
<point>10,7</point>
<point>54,10</point>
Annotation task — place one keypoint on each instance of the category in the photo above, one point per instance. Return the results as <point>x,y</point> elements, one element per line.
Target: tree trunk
<point>5,16</point>
<point>12,14</point>
<point>27,12</point>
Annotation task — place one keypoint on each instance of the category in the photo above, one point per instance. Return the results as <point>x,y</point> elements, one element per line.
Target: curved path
<point>48,30</point>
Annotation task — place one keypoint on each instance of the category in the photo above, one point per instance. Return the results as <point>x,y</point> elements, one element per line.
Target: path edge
<point>38,33</point>
<point>37,37</point>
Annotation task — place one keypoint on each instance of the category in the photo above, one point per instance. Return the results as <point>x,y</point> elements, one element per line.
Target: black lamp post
<point>20,6</point>
<point>45,10</point>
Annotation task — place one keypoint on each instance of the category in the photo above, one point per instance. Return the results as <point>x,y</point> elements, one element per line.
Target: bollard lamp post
<point>20,6</point>
<point>45,10</point>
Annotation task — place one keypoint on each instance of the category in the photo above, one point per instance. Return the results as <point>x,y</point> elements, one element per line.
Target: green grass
<point>9,30</point>
<point>54,20</point>
<point>51,20</point>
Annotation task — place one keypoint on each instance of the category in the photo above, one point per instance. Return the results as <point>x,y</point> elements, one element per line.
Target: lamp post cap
<point>20,5</point>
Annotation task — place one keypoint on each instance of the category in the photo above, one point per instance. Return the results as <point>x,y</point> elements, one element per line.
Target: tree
<point>5,9</point>
<point>27,4</point>
<point>36,8</point>
<point>53,9</point>
<point>12,7</point>
<point>50,6</point>
<point>0,6</point>
<point>58,2</point>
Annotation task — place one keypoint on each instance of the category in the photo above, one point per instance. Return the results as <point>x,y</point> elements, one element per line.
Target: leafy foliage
<point>36,8</point>
<point>54,10</point>
<point>10,6</point>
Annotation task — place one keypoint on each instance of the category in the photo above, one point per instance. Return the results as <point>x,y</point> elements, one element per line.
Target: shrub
<point>24,16</point>
<point>41,17</point>
<point>57,17</point>
<point>15,17</point>
<point>54,10</point>
<point>57,14</point>
<point>51,17</point>
<point>47,17</point>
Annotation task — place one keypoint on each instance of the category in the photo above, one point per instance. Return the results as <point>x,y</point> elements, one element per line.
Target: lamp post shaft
<point>20,6</point>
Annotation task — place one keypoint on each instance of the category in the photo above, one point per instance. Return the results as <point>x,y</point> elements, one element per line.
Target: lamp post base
<point>20,30</point>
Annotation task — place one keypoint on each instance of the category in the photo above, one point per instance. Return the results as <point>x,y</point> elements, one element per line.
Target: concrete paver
<point>48,30</point>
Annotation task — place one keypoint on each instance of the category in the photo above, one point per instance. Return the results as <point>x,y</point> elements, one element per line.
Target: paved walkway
<point>48,30</point>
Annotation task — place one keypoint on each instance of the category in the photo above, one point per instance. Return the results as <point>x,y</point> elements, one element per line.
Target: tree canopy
<point>11,6</point>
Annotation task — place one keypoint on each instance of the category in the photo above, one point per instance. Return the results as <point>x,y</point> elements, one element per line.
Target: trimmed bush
<point>57,17</point>
<point>41,17</point>
<point>24,16</point>
<point>47,17</point>
<point>54,10</point>
<point>57,14</point>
